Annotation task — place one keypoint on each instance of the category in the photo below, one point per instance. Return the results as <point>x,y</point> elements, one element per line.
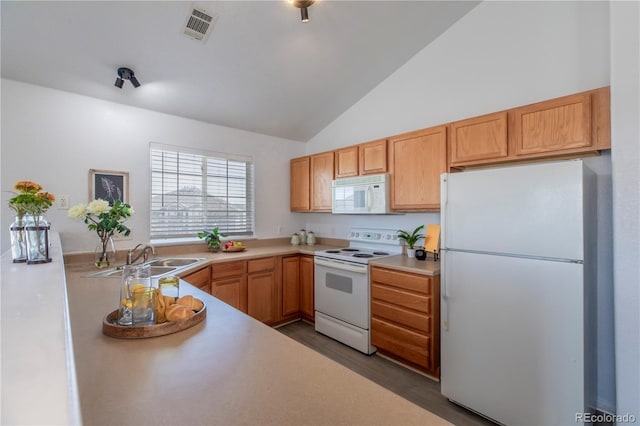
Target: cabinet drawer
<point>257,265</point>
<point>227,269</point>
<point>405,299</point>
<point>420,322</point>
<point>417,283</point>
<point>401,342</point>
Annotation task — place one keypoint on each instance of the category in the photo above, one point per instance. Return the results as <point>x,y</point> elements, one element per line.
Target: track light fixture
<point>303,5</point>
<point>126,74</point>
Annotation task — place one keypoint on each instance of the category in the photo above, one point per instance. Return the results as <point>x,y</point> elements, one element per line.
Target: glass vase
<point>37,230</point>
<point>18,240</point>
<point>105,252</point>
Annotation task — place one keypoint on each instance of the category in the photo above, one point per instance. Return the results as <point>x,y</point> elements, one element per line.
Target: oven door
<point>341,290</point>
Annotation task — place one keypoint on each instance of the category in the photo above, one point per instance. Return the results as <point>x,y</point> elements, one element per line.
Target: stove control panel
<point>384,236</point>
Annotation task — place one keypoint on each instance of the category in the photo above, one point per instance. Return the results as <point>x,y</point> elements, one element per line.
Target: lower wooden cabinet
<point>229,283</point>
<point>405,317</point>
<point>297,286</point>
<point>272,289</point>
<point>200,278</point>
<point>290,285</point>
<point>306,287</point>
<point>262,290</point>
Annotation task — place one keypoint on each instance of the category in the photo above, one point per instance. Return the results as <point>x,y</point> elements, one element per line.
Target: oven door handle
<point>344,266</point>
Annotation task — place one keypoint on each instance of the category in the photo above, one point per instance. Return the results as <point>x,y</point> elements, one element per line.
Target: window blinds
<point>194,190</point>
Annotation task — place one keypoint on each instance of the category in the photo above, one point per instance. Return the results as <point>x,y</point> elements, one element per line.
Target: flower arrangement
<point>106,221</point>
<point>31,199</point>
<point>29,242</point>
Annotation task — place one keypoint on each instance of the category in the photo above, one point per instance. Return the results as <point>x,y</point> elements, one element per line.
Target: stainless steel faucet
<point>144,253</point>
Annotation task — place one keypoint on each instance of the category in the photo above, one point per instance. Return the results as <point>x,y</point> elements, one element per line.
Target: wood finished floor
<point>402,381</point>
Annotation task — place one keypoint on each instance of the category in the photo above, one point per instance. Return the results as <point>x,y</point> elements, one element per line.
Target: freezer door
<point>532,210</point>
<point>512,338</point>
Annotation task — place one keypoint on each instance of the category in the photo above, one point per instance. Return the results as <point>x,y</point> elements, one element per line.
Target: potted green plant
<point>411,239</point>
<point>212,238</point>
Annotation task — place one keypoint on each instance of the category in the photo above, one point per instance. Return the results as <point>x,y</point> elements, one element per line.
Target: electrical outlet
<point>63,202</point>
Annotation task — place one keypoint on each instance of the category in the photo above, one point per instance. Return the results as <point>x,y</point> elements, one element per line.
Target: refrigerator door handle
<point>443,212</point>
<point>444,303</point>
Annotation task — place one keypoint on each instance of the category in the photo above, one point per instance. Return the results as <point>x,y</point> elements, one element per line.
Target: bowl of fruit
<point>233,246</point>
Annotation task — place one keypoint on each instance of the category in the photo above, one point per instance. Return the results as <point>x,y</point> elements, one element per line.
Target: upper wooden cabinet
<point>569,126</point>
<point>321,166</point>
<point>299,184</point>
<point>574,123</point>
<point>416,161</point>
<point>346,162</point>
<point>363,159</point>
<point>479,138</point>
<point>372,157</point>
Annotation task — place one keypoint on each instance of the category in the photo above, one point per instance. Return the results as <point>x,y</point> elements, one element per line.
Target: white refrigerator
<point>518,273</point>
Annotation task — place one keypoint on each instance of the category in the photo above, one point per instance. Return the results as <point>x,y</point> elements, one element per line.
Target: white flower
<point>77,211</point>
<point>97,206</point>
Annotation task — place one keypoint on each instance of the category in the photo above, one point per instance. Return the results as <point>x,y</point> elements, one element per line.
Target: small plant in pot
<point>212,238</point>
<point>411,239</point>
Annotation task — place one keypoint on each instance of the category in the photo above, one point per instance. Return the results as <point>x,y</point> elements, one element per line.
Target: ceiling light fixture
<point>126,74</point>
<point>303,5</point>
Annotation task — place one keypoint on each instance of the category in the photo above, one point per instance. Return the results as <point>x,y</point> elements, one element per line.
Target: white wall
<point>55,137</point>
<point>625,132</point>
<point>500,55</point>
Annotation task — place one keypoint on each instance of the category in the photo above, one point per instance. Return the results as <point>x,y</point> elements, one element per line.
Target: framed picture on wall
<point>108,185</point>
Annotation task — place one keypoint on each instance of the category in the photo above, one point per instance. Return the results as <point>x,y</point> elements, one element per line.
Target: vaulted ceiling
<point>261,69</point>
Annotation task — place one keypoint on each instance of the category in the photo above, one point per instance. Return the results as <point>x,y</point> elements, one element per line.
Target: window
<point>196,190</point>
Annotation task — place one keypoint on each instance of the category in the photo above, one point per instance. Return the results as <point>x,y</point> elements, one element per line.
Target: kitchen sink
<point>159,267</point>
<point>172,261</point>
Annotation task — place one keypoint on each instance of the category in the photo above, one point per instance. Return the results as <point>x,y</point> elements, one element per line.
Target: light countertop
<point>38,370</point>
<point>403,263</point>
<point>229,369</point>
<point>58,367</point>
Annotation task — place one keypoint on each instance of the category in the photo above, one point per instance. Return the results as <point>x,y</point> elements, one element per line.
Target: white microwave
<point>361,195</point>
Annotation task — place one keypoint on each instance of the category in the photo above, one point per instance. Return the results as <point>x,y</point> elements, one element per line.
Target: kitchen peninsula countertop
<point>230,369</point>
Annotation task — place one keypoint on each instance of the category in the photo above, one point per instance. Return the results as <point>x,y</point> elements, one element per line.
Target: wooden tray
<point>111,328</point>
<point>234,249</point>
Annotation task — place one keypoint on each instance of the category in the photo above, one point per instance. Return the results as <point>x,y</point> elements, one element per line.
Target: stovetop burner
<point>365,245</point>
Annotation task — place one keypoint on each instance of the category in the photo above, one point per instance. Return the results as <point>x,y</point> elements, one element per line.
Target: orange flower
<point>27,186</point>
<point>46,195</point>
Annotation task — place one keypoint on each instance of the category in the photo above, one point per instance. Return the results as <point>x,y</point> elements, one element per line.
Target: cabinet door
<point>290,285</point>
<point>306,287</point>
<point>559,125</point>
<point>231,291</point>
<point>373,157</point>
<point>347,162</point>
<point>479,138</point>
<point>200,279</point>
<point>321,177</point>
<point>299,184</point>
<point>417,161</point>
<point>261,296</point>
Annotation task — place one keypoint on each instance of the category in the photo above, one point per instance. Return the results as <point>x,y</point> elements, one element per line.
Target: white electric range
<point>342,292</point>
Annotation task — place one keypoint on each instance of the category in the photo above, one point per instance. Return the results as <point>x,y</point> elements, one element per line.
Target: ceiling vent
<point>199,23</point>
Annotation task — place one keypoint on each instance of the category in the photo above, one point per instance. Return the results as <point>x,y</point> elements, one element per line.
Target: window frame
<point>206,178</point>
